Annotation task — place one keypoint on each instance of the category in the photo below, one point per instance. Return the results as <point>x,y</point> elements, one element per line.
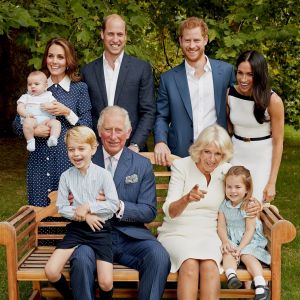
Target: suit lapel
<point>217,72</point>
<point>98,158</point>
<point>121,78</point>
<point>100,79</point>
<point>123,165</point>
<point>183,88</point>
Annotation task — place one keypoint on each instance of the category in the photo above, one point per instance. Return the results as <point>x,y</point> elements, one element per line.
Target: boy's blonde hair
<point>82,135</point>
<point>246,179</point>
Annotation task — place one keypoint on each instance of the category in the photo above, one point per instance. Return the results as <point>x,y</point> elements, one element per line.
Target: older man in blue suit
<point>133,244</point>
<point>119,79</point>
<point>191,96</point>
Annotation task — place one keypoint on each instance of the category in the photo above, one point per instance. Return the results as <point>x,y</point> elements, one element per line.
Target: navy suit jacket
<point>134,92</point>
<point>174,118</point>
<point>139,197</point>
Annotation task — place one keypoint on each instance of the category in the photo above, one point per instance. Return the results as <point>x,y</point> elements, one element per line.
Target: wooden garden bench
<point>26,259</point>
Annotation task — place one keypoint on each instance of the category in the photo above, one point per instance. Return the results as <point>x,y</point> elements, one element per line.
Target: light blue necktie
<point>110,166</point>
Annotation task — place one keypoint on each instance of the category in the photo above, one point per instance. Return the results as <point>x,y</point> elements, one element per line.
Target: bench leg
<point>35,296</point>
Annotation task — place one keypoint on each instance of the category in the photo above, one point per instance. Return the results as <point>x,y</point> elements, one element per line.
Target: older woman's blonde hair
<point>212,135</point>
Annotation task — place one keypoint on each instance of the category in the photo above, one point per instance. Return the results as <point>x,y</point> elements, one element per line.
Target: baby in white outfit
<point>30,108</point>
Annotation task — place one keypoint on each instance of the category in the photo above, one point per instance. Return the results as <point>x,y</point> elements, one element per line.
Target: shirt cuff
<point>72,118</point>
<point>120,212</point>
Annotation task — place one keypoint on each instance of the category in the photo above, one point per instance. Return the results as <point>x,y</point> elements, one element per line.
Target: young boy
<point>30,108</point>
<point>84,180</point>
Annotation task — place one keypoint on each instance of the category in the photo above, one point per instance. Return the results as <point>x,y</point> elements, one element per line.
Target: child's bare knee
<point>52,273</point>
<point>28,123</point>
<point>106,284</point>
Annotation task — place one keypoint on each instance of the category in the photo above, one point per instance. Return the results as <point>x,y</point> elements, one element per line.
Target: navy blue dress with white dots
<point>46,164</point>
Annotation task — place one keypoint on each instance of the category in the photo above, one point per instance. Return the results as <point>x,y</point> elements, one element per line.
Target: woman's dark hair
<point>261,88</point>
<point>70,54</point>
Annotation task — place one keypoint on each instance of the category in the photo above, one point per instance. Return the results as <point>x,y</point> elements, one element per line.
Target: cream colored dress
<point>193,234</point>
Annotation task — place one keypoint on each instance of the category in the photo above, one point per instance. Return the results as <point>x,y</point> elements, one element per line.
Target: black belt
<point>252,139</point>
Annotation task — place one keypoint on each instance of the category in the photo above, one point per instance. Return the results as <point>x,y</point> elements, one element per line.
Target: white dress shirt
<point>85,188</point>
<point>111,77</point>
<point>202,97</point>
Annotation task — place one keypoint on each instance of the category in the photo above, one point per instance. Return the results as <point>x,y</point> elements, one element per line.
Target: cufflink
<point>135,145</point>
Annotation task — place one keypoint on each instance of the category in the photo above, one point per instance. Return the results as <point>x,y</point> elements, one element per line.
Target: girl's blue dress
<point>236,226</point>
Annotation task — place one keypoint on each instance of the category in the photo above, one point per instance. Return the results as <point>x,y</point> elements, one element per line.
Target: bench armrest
<point>278,231</point>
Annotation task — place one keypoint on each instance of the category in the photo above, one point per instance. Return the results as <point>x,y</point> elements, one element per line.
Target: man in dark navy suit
<point>119,79</point>
<point>134,245</point>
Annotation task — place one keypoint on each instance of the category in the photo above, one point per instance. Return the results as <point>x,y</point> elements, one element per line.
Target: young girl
<point>84,180</point>
<point>242,238</point>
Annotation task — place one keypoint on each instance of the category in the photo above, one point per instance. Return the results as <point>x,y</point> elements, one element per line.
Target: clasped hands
<point>82,213</point>
<point>229,248</point>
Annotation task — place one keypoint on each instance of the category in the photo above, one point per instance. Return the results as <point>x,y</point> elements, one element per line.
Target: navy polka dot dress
<point>46,164</point>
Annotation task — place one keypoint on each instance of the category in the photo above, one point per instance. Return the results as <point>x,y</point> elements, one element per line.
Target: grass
<point>13,195</point>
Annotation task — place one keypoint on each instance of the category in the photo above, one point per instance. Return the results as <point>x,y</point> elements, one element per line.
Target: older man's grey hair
<point>111,110</point>
<point>212,135</point>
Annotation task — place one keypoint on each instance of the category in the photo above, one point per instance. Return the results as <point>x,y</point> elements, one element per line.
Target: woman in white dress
<point>189,230</point>
<point>256,119</point>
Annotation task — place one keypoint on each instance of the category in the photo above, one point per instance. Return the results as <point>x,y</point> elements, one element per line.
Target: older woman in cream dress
<point>189,230</point>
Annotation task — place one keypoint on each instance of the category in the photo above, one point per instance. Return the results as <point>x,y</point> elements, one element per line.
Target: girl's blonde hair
<point>82,135</point>
<point>246,179</point>
<point>212,135</point>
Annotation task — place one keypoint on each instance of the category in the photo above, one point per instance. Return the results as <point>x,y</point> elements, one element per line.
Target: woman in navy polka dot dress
<point>46,164</point>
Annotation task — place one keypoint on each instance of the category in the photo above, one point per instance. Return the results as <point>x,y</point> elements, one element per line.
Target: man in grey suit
<point>133,244</point>
<point>191,96</point>
<point>119,79</point>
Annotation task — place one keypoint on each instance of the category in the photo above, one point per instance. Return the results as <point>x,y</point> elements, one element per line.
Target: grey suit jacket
<point>174,118</point>
<point>134,92</point>
<point>135,184</point>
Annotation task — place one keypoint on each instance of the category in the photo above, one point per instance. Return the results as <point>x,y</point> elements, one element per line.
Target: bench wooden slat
<point>27,246</point>
<point>21,216</point>
<point>26,232</point>
<point>160,199</point>
<point>162,174</point>
<point>161,186</point>
<point>50,236</point>
<point>54,224</point>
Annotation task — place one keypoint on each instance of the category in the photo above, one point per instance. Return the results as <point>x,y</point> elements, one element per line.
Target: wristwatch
<point>135,145</point>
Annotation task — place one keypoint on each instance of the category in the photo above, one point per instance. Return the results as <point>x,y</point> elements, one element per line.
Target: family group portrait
<point>150,150</point>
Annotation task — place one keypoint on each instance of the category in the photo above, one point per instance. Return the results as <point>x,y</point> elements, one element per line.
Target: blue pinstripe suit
<point>133,244</point>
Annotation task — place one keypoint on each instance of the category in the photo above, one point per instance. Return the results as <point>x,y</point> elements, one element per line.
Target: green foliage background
<point>271,27</point>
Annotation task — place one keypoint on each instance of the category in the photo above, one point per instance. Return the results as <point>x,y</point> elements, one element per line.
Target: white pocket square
<point>131,179</point>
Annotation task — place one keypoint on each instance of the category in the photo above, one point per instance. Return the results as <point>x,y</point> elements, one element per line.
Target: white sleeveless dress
<point>254,155</point>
